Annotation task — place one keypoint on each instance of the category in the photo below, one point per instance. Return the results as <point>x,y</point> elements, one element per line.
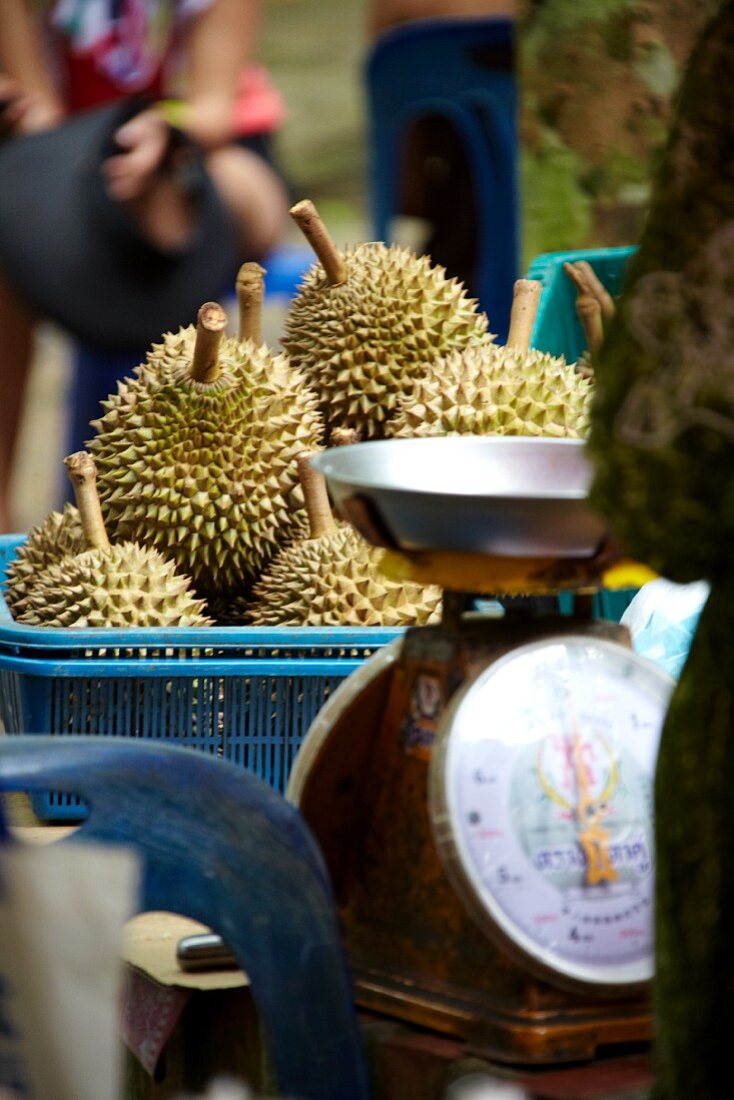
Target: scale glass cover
<point>541,807</point>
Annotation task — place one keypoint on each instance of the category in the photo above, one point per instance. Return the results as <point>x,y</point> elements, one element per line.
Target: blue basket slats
<point>245,694</point>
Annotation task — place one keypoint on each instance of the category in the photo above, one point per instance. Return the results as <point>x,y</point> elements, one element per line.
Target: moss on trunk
<point>663,443</point>
<point>663,419</point>
<point>598,79</point>
<point>695,863</point>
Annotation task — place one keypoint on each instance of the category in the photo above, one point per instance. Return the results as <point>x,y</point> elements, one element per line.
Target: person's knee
<point>255,196</point>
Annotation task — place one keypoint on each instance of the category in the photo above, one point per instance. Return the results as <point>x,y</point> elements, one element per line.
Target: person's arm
<point>221,43</point>
<point>24,66</point>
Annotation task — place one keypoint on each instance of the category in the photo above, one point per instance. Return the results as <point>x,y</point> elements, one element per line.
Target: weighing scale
<point>482,789</point>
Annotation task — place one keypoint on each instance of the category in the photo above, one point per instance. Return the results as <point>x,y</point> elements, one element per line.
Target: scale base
<point>520,1037</point>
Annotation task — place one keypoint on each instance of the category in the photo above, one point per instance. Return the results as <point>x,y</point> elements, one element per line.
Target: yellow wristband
<point>175,112</point>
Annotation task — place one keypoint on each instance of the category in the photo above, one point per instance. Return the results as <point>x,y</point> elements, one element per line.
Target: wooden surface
<point>149,945</point>
<point>218,1034</point>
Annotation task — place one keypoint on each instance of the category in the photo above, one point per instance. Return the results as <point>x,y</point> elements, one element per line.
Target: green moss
<point>656,67</point>
<point>695,893</point>
<point>662,439</point>
<point>618,38</point>
<point>561,18</point>
<point>619,171</point>
<point>557,211</point>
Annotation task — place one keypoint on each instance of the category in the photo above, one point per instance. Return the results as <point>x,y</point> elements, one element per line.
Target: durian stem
<point>83,476</point>
<point>250,294</point>
<point>320,519</point>
<point>344,437</point>
<point>525,302</point>
<point>210,326</point>
<point>308,220</point>
<point>589,314</point>
<point>597,288</point>
<point>588,308</point>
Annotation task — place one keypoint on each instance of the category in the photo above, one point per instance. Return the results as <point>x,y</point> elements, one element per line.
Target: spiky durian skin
<point>492,390</point>
<point>228,611</point>
<point>363,343</point>
<point>60,534</point>
<point>127,586</point>
<point>206,472</point>
<point>334,580</point>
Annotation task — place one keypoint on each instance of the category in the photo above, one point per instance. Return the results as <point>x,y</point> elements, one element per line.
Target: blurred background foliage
<point>315,52</point>
<point>598,78</point>
<point>598,82</point>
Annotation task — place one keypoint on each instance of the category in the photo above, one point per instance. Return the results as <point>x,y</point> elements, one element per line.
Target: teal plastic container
<point>557,330</point>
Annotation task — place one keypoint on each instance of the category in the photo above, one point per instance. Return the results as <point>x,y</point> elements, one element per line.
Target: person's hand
<point>24,113</point>
<point>144,142</point>
<point>209,121</point>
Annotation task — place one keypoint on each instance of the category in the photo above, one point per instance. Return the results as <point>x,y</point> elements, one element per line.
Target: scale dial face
<point>541,804</point>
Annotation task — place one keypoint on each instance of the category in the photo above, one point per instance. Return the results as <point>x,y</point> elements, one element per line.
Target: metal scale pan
<point>503,495</point>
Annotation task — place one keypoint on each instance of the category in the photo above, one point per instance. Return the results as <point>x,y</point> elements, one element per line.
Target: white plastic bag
<point>62,907</point>
<point>662,620</point>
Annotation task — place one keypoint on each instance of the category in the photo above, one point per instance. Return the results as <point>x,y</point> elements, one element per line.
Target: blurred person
<point>59,57</point>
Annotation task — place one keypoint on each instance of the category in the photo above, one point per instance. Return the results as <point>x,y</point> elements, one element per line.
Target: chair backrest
<point>220,846</point>
<point>461,71</point>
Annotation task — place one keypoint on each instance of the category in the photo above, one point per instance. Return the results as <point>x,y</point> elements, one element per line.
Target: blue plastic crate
<point>557,330</point>
<point>246,694</point>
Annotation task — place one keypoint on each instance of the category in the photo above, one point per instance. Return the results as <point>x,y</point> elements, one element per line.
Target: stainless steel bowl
<point>510,495</point>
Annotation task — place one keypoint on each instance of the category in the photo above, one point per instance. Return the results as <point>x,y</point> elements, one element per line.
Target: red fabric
<point>259,107</point>
<point>85,86</point>
<point>150,1012</point>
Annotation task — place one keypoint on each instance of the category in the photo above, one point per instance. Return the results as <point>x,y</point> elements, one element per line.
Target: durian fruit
<point>196,453</point>
<point>60,534</point>
<point>250,288</point>
<point>333,578</point>
<point>488,389</point>
<point>125,585</point>
<point>364,326</point>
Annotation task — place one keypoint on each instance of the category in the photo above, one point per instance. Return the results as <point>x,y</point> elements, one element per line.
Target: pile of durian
<point>195,502</point>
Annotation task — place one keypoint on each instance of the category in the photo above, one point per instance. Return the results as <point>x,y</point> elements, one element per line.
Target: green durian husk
<point>125,586</point>
<point>60,534</point>
<point>493,390</point>
<point>335,580</point>
<point>229,610</point>
<point>206,472</point>
<point>363,343</point>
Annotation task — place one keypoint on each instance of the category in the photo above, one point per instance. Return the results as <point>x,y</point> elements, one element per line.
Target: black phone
<point>204,951</point>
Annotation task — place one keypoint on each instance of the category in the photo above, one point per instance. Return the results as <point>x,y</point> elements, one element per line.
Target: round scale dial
<point>541,803</point>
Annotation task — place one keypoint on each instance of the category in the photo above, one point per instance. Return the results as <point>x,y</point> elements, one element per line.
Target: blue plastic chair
<point>461,71</point>
<point>221,847</point>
